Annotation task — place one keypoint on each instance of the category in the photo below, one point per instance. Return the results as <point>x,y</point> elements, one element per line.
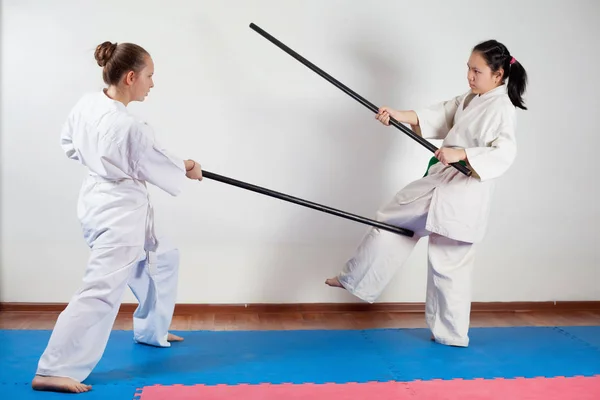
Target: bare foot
<point>334,282</point>
<point>58,384</point>
<point>174,338</point>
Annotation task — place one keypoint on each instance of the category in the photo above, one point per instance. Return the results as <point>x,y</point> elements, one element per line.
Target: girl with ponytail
<point>478,129</point>
<point>504,66</point>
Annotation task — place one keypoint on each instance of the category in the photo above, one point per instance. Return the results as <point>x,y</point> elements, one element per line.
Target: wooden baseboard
<point>189,309</point>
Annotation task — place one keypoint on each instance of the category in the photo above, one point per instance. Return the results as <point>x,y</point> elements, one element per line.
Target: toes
<point>333,282</point>
<point>84,388</point>
<point>80,388</point>
<point>174,338</point>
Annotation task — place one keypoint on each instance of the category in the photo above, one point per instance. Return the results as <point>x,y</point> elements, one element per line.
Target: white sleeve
<point>154,164</point>
<point>494,160</point>
<point>436,121</point>
<point>66,140</point>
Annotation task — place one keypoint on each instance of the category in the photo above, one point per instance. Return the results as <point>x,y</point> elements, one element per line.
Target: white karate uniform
<point>449,207</point>
<point>116,215</point>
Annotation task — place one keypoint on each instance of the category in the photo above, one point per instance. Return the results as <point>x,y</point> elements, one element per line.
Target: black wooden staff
<point>355,96</point>
<point>309,204</point>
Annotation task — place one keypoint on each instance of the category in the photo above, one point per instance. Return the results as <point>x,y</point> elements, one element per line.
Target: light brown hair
<point>118,59</point>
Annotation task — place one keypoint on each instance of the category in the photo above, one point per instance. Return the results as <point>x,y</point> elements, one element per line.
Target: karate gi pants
<point>450,264</point>
<point>82,330</point>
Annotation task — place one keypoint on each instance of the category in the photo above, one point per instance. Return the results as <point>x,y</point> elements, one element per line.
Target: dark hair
<point>497,55</point>
<point>117,59</point>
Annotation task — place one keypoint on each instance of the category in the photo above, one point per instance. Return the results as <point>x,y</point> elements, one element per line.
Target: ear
<point>499,74</point>
<point>129,78</point>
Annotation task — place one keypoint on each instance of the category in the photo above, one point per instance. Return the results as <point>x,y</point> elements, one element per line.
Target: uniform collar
<point>498,91</point>
<point>120,106</point>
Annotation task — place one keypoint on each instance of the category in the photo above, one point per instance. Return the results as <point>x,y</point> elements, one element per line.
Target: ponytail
<point>496,56</point>
<point>517,82</point>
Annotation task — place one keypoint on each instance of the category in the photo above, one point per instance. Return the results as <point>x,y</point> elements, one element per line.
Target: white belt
<point>151,241</point>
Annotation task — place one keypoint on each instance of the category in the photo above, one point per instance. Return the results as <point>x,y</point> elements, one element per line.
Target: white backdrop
<point>227,97</point>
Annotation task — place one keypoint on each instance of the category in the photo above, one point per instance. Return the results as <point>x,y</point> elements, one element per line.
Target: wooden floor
<point>314,320</point>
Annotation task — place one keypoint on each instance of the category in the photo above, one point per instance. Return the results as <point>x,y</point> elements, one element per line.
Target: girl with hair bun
<point>122,155</point>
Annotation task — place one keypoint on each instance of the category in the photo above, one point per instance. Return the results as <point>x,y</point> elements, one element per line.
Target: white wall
<point>229,98</point>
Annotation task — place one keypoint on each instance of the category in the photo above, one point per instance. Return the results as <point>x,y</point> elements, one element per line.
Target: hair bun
<point>104,52</point>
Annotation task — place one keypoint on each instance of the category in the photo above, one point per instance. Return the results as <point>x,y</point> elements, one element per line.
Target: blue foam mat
<point>232,357</point>
<point>589,334</point>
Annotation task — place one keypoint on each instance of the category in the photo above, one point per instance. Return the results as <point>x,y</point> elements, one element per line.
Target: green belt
<point>434,161</point>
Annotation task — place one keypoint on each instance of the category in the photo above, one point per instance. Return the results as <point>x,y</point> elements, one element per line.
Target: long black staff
<point>355,96</point>
<point>309,204</point>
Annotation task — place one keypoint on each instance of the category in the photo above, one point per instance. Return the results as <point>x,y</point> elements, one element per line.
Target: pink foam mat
<point>580,388</point>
